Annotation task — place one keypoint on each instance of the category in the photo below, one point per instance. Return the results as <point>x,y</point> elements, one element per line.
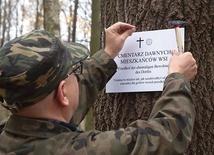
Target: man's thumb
<point>128,32</point>
<point>175,53</point>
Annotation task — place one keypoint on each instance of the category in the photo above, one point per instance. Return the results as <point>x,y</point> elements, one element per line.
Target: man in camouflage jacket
<point>39,77</point>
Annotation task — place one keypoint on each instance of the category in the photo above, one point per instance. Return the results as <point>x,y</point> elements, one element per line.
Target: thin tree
<point>76,2</point>
<point>51,16</point>
<point>23,18</point>
<point>38,14</point>
<point>0,14</point>
<point>4,26</point>
<point>94,46</point>
<point>95,27</point>
<point>68,19</point>
<point>17,18</point>
<point>9,16</point>
<point>119,109</point>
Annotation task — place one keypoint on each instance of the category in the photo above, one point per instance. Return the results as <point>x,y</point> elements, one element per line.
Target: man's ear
<point>62,94</point>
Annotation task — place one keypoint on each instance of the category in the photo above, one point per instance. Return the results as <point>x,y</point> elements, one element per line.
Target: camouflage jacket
<point>168,130</point>
<point>96,72</point>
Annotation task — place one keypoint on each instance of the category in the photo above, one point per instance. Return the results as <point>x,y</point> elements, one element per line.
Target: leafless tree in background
<point>76,2</point>
<point>68,18</point>
<point>39,15</point>
<point>51,16</point>
<point>3,22</point>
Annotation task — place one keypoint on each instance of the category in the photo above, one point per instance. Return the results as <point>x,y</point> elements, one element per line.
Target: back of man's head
<point>31,66</point>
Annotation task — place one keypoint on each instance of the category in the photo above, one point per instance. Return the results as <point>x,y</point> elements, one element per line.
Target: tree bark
<point>76,2</point>
<point>37,15</point>
<point>51,16</point>
<point>9,19</point>
<point>3,31</point>
<point>0,11</point>
<point>95,27</point>
<point>94,46</point>
<point>113,111</point>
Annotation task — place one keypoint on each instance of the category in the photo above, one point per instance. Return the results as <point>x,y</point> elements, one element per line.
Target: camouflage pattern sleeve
<point>174,114</point>
<point>167,132</point>
<point>2,124</point>
<point>97,70</point>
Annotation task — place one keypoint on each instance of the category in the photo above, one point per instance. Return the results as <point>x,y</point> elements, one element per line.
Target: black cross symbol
<point>140,40</point>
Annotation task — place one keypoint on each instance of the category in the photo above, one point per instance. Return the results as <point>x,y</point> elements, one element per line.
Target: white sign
<point>143,61</point>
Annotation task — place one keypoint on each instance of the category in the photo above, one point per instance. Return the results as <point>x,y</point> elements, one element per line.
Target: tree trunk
<point>95,27</point>
<point>9,13</point>
<point>68,19</point>
<point>17,18</point>
<point>37,15</point>
<point>51,16</point>
<point>22,19</point>
<point>94,46</point>
<point>3,31</point>
<point>0,11</point>
<point>113,111</point>
<point>76,2</point>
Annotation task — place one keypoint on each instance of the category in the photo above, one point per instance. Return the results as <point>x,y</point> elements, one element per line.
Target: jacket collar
<point>40,128</point>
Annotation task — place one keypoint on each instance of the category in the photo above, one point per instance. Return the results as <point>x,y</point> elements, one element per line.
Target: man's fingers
<point>175,53</point>
<point>128,33</point>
